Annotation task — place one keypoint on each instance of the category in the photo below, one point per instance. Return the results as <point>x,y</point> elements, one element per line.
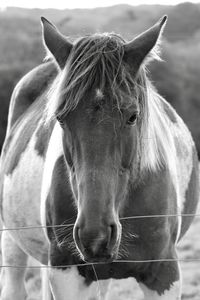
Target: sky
<point>61,4</point>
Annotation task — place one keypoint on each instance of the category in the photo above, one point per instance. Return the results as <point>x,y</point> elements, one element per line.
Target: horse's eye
<point>60,120</point>
<point>132,119</point>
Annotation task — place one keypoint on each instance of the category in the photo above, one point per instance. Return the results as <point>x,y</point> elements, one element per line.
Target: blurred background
<point>177,78</point>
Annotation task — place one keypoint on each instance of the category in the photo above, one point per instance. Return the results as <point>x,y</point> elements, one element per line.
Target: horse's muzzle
<point>97,243</point>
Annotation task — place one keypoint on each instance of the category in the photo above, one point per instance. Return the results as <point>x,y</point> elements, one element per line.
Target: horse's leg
<point>46,291</point>
<point>13,278</point>
<point>164,282</point>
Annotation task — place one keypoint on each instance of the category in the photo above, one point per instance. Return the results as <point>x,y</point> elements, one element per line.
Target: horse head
<point>100,112</point>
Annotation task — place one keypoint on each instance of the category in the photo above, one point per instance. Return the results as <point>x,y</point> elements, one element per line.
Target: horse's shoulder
<point>186,166</point>
<point>180,131</point>
<point>29,88</point>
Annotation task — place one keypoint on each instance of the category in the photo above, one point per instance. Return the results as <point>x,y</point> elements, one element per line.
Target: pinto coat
<point>115,150</point>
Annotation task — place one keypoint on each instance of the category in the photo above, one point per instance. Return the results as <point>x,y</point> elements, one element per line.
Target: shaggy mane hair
<point>97,60</point>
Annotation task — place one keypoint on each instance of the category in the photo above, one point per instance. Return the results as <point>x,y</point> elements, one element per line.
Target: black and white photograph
<point>99,150</point>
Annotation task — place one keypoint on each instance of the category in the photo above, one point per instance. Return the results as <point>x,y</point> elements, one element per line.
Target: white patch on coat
<point>184,163</point>
<point>15,93</point>
<point>174,293</point>
<point>12,279</point>
<point>159,145</point>
<point>46,291</point>
<point>157,140</point>
<point>69,284</point>
<point>99,94</point>
<point>54,151</point>
<point>184,158</point>
<point>21,202</point>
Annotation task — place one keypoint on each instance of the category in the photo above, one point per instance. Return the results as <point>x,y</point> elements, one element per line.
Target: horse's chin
<point>104,257</point>
<point>101,259</point>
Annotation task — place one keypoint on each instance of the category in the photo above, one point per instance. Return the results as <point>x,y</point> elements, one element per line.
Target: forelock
<point>95,61</point>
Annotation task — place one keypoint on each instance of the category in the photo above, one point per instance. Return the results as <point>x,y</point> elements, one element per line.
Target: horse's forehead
<point>94,112</point>
<point>116,101</point>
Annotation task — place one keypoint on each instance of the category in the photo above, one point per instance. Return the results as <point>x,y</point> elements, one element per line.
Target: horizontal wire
<point>160,216</point>
<point>116,261</point>
<point>159,260</point>
<point>35,227</point>
<point>102,263</point>
<point>123,218</point>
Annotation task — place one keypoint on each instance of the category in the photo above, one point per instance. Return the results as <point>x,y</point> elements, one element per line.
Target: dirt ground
<point>189,248</point>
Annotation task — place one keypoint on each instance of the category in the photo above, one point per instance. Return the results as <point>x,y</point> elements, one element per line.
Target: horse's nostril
<point>96,242</point>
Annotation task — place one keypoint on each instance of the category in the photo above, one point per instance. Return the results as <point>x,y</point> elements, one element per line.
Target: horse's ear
<point>55,42</point>
<point>136,50</point>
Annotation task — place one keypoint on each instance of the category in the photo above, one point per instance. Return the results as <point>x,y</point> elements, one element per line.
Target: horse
<point>97,170</point>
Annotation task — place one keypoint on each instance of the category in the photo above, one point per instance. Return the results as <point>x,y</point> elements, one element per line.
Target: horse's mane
<point>97,61</point>
<point>94,61</point>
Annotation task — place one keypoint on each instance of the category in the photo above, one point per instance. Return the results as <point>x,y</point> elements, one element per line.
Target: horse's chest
<point>69,284</point>
<point>21,198</point>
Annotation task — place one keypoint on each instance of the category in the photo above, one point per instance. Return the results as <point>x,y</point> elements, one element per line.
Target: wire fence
<point>121,219</point>
<point>103,263</point>
<point>98,263</point>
